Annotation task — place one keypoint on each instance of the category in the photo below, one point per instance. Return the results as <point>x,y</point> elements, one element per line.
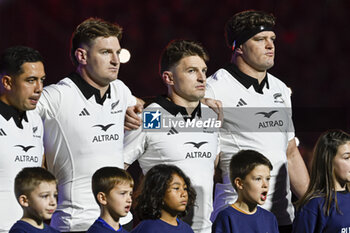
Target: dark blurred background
<point>312,54</point>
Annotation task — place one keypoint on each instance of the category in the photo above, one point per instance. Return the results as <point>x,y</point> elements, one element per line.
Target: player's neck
<point>84,74</point>
<point>112,221</point>
<point>245,207</point>
<point>6,100</point>
<point>37,223</point>
<point>169,218</point>
<point>248,70</point>
<point>178,100</point>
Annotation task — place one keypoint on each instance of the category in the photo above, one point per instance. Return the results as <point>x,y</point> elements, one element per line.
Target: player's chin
<point>29,107</point>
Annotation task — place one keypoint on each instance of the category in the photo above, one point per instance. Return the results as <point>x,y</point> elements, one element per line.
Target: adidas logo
<point>2,133</point>
<point>172,131</point>
<point>84,112</point>
<point>35,129</point>
<point>241,102</point>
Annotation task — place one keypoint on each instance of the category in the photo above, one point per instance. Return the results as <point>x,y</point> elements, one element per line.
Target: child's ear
<point>239,183</point>
<point>102,198</point>
<point>23,201</point>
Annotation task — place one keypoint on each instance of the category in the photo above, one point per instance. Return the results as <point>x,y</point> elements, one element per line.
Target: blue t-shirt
<point>311,217</point>
<point>231,220</point>
<point>101,226</point>
<point>159,226</point>
<point>24,227</point>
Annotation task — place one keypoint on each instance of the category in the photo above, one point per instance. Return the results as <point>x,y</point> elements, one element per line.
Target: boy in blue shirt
<point>250,176</point>
<point>36,192</point>
<point>112,188</point>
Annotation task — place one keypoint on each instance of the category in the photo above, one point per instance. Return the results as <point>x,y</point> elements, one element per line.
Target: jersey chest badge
<point>278,98</point>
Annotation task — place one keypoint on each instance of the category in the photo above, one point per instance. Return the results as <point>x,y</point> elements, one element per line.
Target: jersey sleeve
<point>288,93</point>
<point>209,92</point>
<point>49,102</point>
<point>134,145</point>
<point>130,99</point>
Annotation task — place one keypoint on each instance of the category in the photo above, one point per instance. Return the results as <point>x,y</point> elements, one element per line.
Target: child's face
<point>119,200</point>
<point>341,165</point>
<point>256,185</point>
<point>42,201</point>
<point>176,195</point>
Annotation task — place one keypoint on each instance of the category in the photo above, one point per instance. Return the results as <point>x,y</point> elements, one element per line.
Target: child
<point>36,192</point>
<point>250,176</point>
<point>325,205</point>
<point>112,188</point>
<point>166,194</point>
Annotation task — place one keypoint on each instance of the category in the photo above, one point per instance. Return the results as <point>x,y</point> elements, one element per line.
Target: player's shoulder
<point>273,80</point>
<point>265,212</point>
<point>153,105</point>
<point>33,116</point>
<point>63,85</point>
<point>117,82</point>
<point>218,77</point>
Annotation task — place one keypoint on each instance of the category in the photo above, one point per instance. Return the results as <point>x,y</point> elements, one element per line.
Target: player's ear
<point>167,77</point>
<point>23,200</point>
<point>239,183</point>
<point>81,56</point>
<point>239,50</point>
<point>102,198</point>
<point>7,82</point>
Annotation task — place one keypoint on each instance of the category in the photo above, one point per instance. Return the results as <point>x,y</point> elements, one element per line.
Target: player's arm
<point>298,174</point>
<point>134,146</point>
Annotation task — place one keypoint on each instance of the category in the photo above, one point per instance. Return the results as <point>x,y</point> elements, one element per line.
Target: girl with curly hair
<point>166,194</point>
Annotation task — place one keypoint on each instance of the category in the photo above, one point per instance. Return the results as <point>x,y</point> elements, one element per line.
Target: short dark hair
<point>13,58</point>
<point>105,178</point>
<point>29,178</point>
<point>244,21</point>
<point>178,49</point>
<point>89,30</point>
<point>152,191</point>
<point>244,162</point>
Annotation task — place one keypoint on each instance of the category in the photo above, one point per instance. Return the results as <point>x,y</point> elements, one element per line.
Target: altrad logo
<point>197,154</point>
<point>267,114</point>
<point>104,127</point>
<point>197,145</point>
<point>105,137</point>
<point>25,148</point>
<point>26,158</point>
<point>271,123</point>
